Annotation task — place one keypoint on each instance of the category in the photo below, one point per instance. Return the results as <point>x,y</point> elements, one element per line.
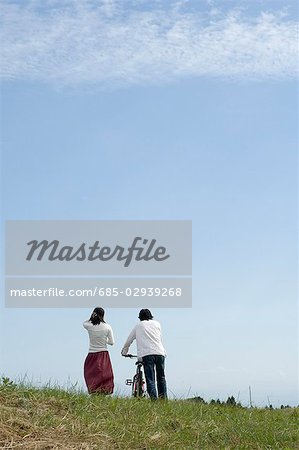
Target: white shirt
<point>99,336</point>
<point>148,339</point>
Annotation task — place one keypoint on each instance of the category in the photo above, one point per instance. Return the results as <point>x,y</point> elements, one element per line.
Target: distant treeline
<point>231,401</point>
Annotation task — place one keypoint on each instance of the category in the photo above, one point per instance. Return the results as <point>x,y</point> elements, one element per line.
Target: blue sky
<point>189,112</point>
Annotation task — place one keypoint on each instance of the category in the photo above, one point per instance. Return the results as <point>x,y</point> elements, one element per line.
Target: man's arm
<point>161,338</point>
<point>162,342</point>
<point>131,338</point>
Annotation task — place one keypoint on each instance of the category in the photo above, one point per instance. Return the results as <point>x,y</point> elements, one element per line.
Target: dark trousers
<point>152,364</point>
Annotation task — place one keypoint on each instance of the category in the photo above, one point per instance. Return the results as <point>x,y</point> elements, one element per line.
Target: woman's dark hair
<point>97,316</point>
<point>145,314</point>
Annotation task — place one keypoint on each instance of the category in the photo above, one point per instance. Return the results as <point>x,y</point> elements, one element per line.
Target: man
<point>150,349</point>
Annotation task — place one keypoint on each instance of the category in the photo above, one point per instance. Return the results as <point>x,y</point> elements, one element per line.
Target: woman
<point>98,371</point>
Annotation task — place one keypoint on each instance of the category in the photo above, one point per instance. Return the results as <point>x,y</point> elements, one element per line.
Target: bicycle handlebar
<point>130,356</point>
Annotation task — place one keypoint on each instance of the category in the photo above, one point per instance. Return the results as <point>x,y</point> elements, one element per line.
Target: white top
<point>148,339</point>
<point>99,336</point>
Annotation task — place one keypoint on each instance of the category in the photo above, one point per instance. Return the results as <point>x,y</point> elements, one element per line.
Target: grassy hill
<point>53,419</point>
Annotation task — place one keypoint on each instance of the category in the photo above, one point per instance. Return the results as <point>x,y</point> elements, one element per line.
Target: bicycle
<point>137,383</point>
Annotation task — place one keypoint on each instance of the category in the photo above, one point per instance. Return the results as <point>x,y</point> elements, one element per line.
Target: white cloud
<point>111,43</point>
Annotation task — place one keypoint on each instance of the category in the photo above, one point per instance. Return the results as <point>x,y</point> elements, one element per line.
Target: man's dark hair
<point>97,316</point>
<point>145,314</point>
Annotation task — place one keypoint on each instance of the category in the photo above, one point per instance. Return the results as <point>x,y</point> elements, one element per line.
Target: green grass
<point>48,418</point>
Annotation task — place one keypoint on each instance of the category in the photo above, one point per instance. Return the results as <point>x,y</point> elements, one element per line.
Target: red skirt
<point>98,373</point>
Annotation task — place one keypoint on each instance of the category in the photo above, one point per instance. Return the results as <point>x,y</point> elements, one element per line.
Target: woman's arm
<point>86,324</point>
<point>110,337</point>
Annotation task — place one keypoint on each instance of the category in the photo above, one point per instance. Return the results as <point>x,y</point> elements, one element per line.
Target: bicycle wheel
<point>135,386</point>
<point>138,386</point>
